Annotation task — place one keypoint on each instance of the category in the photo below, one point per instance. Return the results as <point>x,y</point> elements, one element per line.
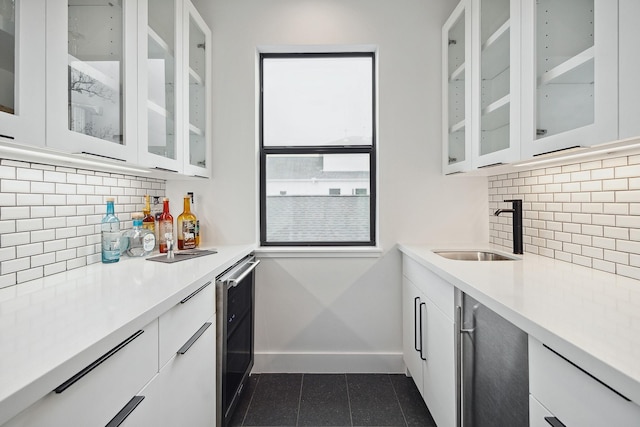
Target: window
<point>317,138</point>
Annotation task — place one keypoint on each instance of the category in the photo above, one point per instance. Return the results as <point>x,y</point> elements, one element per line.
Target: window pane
<point>317,101</point>
<point>318,198</point>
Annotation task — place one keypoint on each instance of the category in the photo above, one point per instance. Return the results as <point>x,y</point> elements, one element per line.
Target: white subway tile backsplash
<point>50,216</point>
<point>585,213</point>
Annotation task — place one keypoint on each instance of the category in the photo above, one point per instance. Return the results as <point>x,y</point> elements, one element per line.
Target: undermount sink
<point>473,256</point>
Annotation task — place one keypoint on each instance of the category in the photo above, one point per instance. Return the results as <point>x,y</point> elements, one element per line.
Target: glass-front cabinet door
<point>91,77</point>
<point>570,74</point>
<point>456,90</point>
<point>197,78</point>
<point>159,56</point>
<point>22,71</point>
<point>496,78</point>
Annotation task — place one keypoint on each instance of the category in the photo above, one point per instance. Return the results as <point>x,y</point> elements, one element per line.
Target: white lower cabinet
<point>429,339</point>
<point>573,396</point>
<point>538,414</point>
<point>183,392</point>
<point>97,392</point>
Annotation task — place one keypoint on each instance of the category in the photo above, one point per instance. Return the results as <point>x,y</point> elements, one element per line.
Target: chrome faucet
<point>517,223</point>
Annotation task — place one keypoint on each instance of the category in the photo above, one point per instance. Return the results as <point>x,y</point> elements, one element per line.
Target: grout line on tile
<point>299,399</point>
<point>395,392</point>
<point>346,379</point>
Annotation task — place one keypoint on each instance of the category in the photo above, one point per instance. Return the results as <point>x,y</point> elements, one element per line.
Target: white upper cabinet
<point>91,77</point>
<point>22,71</point>
<point>456,90</point>
<point>159,93</point>
<point>569,74</point>
<point>495,74</point>
<point>629,11</point>
<point>197,96</point>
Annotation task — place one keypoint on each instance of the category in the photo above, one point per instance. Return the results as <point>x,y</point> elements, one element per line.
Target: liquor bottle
<point>165,226</point>
<point>186,227</point>
<point>193,202</point>
<point>156,211</point>
<point>148,221</point>
<point>142,241</point>
<point>110,228</point>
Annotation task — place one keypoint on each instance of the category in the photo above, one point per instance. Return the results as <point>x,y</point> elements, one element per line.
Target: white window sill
<point>318,252</point>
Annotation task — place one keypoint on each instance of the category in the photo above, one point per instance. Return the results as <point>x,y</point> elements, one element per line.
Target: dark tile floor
<point>331,400</point>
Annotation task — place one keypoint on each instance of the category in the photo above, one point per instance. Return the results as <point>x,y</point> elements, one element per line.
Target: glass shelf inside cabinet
<point>564,66</point>
<point>7,56</point>
<point>457,69</point>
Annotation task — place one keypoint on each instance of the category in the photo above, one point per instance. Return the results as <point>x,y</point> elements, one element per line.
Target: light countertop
<point>589,316</point>
<point>50,326</point>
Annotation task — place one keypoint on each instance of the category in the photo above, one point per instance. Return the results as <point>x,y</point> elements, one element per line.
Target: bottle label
<point>149,242</point>
<point>189,234</point>
<point>110,246</point>
<point>165,227</point>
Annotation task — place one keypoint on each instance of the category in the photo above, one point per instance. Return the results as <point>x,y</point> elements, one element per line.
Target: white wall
<point>337,314</point>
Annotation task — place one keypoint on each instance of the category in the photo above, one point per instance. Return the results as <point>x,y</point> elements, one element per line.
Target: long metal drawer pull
<point>554,422</point>
<point>586,372</point>
<point>421,343</point>
<point>194,338</point>
<point>415,317</point>
<point>196,292</point>
<point>74,379</point>
<point>234,282</point>
<point>125,412</point>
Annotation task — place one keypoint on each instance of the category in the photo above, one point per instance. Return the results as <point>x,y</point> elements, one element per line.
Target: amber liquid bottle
<point>187,227</point>
<point>148,221</point>
<point>165,225</point>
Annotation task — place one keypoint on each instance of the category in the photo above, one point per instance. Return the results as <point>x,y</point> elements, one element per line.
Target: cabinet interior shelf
<point>195,130</point>
<point>86,68</point>
<point>498,36</point>
<point>496,114</point>
<point>458,126</point>
<point>577,69</point>
<point>152,106</point>
<point>159,41</point>
<point>458,73</point>
<point>194,78</point>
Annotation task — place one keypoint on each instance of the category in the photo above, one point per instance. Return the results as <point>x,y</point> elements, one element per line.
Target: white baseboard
<point>325,363</point>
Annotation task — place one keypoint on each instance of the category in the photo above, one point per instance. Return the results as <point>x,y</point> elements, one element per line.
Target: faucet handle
<point>513,200</point>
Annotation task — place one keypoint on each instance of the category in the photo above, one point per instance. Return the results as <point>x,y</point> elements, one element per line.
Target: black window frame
<point>316,149</point>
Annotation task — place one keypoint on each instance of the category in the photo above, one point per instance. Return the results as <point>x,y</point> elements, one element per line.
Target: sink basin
<point>473,256</point>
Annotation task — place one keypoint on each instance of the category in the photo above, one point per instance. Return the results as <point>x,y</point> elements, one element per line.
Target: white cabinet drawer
<point>184,319</point>
<point>96,397</point>
<point>434,287</point>
<point>183,393</point>
<point>537,413</point>
<point>572,395</point>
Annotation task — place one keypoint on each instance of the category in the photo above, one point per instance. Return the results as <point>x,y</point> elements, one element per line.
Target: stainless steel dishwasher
<point>494,368</point>
<point>235,311</point>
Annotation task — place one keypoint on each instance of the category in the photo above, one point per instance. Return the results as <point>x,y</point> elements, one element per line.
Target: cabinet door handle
<point>554,422</point>
<point>415,319</point>
<point>196,292</point>
<point>421,343</point>
<point>194,338</point>
<point>125,412</point>
<point>74,379</point>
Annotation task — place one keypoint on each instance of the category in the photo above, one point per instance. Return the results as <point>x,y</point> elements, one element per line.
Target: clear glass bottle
<point>142,241</point>
<point>165,226</point>
<point>110,235</point>
<point>186,227</point>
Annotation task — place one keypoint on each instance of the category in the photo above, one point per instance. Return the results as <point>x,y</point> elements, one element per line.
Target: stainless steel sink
<point>473,256</point>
